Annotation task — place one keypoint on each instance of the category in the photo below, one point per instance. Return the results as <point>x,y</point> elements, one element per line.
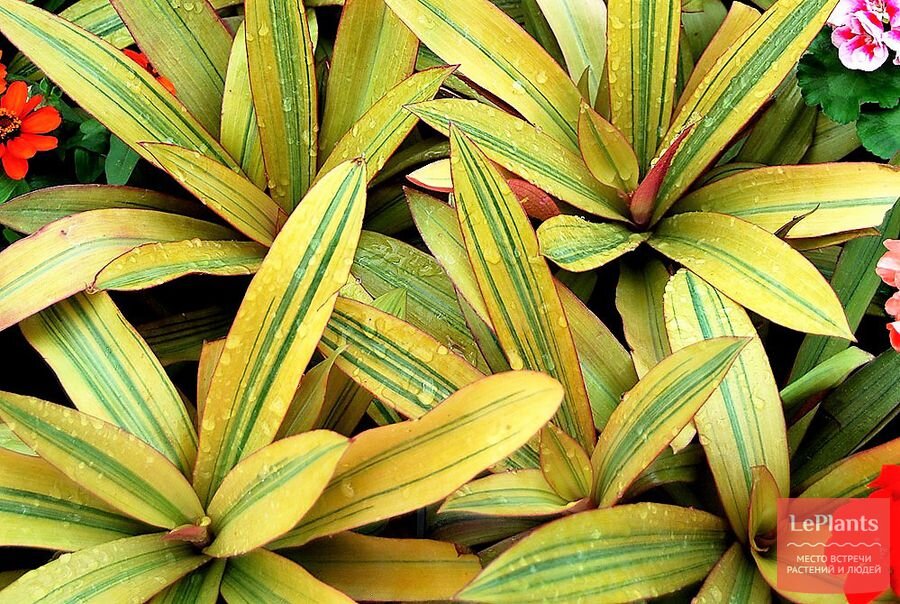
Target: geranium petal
<point>871,23</point>
<point>841,36</point>
<point>892,307</point>
<point>15,167</point>
<point>894,330</point>
<point>863,56</point>
<point>891,39</point>
<point>844,9</point>
<point>43,120</point>
<point>15,96</point>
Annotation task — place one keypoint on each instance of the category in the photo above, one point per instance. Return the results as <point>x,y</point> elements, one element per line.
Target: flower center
<point>9,125</point>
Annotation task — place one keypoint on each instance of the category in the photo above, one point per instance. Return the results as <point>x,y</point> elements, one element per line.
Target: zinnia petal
<point>15,167</point>
<point>19,147</point>
<point>14,99</point>
<point>30,104</point>
<point>40,142</point>
<point>43,120</point>
<point>137,57</point>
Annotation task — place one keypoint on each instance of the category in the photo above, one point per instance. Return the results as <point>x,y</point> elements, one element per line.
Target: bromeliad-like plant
<point>106,479</point>
<point>165,501</point>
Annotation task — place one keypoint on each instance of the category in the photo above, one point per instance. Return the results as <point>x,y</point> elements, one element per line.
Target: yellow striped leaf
<point>738,84</point>
<point>225,192</point>
<point>283,81</point>
<point>8,576</point>
<point>395,469</point>
<point>266,494</point>
<point>565,465</point>
<point>189,47</point>
<point>373,52</point>
<point>434,176</point>
<point>668,468</point>
<point>278,324</point>
<point>347,403</point>
<point>784,132</point>
<point>606,152</point>
<point>824,377</point>
<point>579,27</point>
<point>127,570</point>
<point>10,442</point>
<point>180,337</point>
<point>516,283</point>
<point>737,21</point>
<point>625,553</point>
<point>262,576</point>
<point>643,62</point>
<point>153,264</point>
<point>520,493</point>
<point>734,578</point>
<point>830,198</point>
<point>578,245</point>
<point>309,399</point>
<point>383,264</point>
<point>239,132</point>
<point>29,212</point>
<point>41,507</point>
<point>741,426</point>
<point>496,54</point>
<point>607,367</point>
<point>198,587</point>
<point>755,269</point>
<point>653,413</point>
<point>381,129</point>
<point>437,224</point>
<point>763,522</point>
<point>96,16</point>
<point>101,19</point>
<point>387,570</point>
<point>116,466</point>
<point>105,82</point>
<point>851,476</point>
<point>210,353</point>
<point>109,372</point>
<point>526,151</point>
<point>400,365</point>
<point>62,258</point>
<point>639,300</point>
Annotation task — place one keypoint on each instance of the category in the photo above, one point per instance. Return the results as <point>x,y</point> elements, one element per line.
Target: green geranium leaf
<point>824,81</point>
<point>879,131</point>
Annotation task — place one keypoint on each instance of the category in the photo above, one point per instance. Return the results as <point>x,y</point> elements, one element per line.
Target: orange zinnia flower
<point>142,60</point>
<point>22,129</point>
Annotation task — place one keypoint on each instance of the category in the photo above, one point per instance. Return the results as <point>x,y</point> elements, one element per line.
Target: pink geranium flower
<point>865,32</point>
<point>888,268</point>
